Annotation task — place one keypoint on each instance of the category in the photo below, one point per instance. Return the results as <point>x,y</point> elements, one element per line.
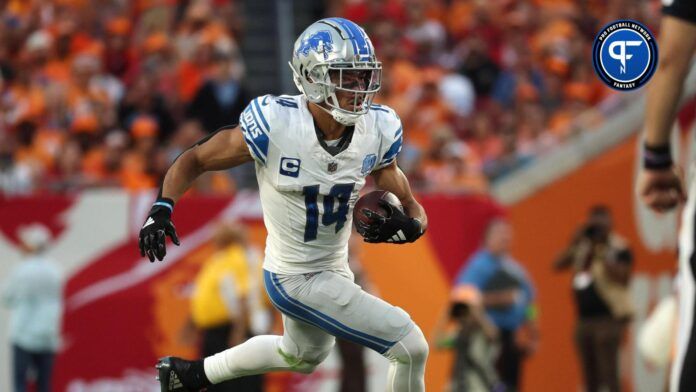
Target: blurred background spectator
<point>601,262</point>
<point>225,300</point>
<point>483,88</point>
<point>469,332</point>
<point>33,291</point>
<point>508,298</point>
<point>220,100</point>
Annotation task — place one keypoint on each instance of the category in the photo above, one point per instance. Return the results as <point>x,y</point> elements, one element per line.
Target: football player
<point>659,184</point>
<point>312,153</point>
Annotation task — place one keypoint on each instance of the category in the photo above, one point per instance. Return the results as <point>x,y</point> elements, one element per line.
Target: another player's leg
<point>683,374</point>
<point>332,302</point>
<point>683,377</point>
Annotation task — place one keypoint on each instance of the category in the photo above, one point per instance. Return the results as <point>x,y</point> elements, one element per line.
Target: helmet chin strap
<point>340,116</point>
<point>344,118</point>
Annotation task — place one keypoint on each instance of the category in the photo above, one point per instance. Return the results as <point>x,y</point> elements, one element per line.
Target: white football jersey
<point>307,194</point>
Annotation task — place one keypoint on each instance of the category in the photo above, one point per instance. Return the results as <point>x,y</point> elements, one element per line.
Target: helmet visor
<point>355,87</point>
<point>359,80</point>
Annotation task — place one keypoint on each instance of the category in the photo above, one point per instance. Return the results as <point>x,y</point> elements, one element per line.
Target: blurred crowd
<point>107,93</point>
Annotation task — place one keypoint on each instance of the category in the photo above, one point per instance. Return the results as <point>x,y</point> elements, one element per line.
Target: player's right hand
<point>660,189</point>
<point>157,226</point>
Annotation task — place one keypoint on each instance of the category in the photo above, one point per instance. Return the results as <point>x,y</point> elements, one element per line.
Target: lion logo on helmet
<point>320,42</point>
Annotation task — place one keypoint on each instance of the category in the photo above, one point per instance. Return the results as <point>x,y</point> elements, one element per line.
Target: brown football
<point>370,202</point>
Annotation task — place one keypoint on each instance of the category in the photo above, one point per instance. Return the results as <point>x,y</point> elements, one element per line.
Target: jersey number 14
<point>333,212</point>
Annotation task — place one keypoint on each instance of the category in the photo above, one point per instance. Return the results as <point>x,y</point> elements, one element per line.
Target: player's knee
<point>418,345</point>
<point>310,359</point>
<point>413,348</point>
<point>305,359</point>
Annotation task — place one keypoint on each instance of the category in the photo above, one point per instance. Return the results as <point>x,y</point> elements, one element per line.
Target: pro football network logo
<point>625,55</point>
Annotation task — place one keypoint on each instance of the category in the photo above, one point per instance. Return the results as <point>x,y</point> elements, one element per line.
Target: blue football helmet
<point>336,55</point>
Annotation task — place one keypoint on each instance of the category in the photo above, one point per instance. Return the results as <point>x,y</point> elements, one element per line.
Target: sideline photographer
<point>466,329</point>
<point>601,263</point>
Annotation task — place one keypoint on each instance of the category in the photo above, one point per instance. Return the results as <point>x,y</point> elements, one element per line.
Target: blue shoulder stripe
<point>259,147</point>
<point>394,149</point>
<point>255,128</point>
<point>258,111</point>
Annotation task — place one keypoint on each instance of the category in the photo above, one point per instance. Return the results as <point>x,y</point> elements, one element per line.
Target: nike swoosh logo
<point>148,222</point>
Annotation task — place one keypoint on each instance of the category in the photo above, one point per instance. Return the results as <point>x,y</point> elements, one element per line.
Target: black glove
<point>395,228</point>
<point>157,225</point>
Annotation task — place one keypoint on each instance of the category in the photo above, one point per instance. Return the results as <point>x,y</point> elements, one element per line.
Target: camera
<point>459,310</point>
<point>595,232</point>
<point>591,231</point>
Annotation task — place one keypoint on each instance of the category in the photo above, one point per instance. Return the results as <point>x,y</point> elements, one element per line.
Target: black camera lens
<point>459,309</point>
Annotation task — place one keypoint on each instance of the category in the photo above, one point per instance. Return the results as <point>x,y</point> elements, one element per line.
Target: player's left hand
<point>660,189</point>
<point>395,228</point>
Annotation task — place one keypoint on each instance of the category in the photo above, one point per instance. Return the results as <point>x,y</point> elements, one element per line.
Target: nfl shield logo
<point>333,166</point>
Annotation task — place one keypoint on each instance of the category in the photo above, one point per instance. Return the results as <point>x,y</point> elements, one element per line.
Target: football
<point>370,202</point>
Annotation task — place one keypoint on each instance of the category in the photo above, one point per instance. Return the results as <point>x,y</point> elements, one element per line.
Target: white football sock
<point>259,354</point>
